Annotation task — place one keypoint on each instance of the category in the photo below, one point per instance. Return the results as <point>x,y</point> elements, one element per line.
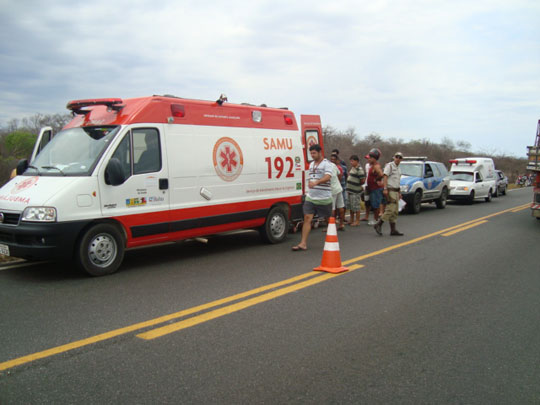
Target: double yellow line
<point>256,296</point>
<point>313,278</point>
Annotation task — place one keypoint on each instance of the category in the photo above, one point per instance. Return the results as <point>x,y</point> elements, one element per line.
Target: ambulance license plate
<point>4,249</point>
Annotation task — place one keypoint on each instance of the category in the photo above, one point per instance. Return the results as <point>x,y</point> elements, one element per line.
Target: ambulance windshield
<point>463,176</point>
<point>73,152</point>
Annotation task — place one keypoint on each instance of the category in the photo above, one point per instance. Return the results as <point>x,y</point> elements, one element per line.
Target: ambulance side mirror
<point>22,166</point>
<point>114,175</point>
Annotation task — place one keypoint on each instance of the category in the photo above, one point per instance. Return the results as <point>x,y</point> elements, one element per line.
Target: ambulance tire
<point>470,200</point>
<point>276,226</point>
<point>100,250</point>
<point>488,198</point>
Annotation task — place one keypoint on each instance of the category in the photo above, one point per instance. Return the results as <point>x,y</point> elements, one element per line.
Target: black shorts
<point>322,211</point>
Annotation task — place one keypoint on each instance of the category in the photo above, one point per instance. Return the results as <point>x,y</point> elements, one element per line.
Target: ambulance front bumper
<point>457,194</point>
<point>40,241</point>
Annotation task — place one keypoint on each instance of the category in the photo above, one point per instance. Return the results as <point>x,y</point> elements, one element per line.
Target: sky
<point>411,69</point>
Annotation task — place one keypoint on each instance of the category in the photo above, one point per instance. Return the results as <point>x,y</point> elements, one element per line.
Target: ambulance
<point>126,173</point>
<point>472,178</point>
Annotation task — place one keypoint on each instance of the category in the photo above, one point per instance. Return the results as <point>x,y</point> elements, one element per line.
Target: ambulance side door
<point>44,137</point>
<point>311,134</point>
<point>141,202</point>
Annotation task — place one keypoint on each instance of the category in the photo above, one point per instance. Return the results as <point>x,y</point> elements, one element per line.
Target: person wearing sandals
<point>355,181</point>
<point>338,205</point>
<point>319,193</point>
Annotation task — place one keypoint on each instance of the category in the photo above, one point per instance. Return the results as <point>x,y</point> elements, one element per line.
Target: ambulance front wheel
<point>100,250</point>
<point>276,226</point>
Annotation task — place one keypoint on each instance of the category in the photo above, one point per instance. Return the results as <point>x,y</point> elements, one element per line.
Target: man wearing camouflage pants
<point>391,191</point>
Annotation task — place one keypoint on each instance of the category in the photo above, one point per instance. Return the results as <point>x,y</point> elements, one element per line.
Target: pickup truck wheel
<point>414,207</point>
<point>471,198</point>
<point>276,226</point>
<point>100,250</point>
<point>488,198</point>
<point>441,201</point>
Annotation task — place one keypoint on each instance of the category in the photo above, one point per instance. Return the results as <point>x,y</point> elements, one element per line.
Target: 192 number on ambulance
<point>279,165</point>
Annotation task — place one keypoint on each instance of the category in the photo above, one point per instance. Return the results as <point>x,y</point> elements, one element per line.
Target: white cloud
<point>412,69</point>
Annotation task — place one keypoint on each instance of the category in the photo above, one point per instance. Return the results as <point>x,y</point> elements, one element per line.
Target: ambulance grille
<point>11,218</point>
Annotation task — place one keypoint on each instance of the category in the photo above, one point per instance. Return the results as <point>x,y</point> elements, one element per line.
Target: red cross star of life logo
<point>23,185</point>
<point>228,159</point>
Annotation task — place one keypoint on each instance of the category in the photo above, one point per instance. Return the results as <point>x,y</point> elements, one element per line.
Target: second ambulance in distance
<point>472,178</point>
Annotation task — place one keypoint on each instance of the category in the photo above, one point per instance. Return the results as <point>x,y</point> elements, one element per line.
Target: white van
<point>136,172</point>
<point>472,178</point>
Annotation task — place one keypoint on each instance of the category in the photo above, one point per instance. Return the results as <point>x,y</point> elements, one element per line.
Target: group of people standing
<point>332,189</point>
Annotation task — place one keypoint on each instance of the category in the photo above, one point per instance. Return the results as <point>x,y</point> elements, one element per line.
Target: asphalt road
<point>448,313</point>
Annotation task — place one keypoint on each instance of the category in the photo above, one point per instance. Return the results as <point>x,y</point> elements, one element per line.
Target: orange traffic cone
<point>331,259</point>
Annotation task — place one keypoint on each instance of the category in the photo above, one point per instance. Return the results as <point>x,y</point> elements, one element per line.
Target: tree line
<point>17,139</point>
<point>348,142</point>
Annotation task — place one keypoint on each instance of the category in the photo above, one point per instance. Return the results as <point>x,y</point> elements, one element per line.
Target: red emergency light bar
<point>457,161</point>
<point>77,105</point>
<point>178,110</point>
<point>288,119</point>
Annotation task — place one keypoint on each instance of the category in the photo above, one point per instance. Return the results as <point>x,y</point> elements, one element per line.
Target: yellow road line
<point>152,322</point>
<point>522,208</point>
<point>216,313</point>
<point>464,228</point>
<point>410,242</point>
<point>207,316</point>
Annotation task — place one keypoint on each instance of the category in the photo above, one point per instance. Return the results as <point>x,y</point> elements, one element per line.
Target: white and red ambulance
<point>133,172</point>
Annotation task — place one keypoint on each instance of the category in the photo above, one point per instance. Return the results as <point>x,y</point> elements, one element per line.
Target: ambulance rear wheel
<point>276,226</point>
<point>100,250</point>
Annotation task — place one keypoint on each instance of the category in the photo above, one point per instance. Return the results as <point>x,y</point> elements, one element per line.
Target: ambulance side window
<point>45,140</point>
<point>311,137</point>
<point>146,150</point>
<point>122,153</point>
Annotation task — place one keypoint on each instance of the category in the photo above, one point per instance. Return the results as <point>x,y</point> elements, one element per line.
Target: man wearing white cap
<point>391,190</point>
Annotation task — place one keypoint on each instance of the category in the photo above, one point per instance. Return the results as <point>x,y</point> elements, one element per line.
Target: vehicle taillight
<point>178,110</point>
<point>453,161</point>
<point>470,161</point>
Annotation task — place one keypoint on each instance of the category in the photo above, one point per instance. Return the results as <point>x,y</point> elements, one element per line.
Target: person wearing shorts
<point>319,195</point>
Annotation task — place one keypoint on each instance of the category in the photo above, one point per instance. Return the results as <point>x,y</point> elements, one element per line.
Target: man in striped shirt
<point>355,181</point>
<point>319,195</point>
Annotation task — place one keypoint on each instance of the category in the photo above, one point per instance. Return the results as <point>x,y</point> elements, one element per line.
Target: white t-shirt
<point>321,191</point>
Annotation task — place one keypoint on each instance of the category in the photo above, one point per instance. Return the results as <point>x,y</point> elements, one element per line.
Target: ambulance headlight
<point>463,188</point>
<point>404,188</point>
<point>39,214</point>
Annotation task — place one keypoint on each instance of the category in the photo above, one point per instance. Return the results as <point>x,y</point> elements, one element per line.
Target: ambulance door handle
<point>163,184</point>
